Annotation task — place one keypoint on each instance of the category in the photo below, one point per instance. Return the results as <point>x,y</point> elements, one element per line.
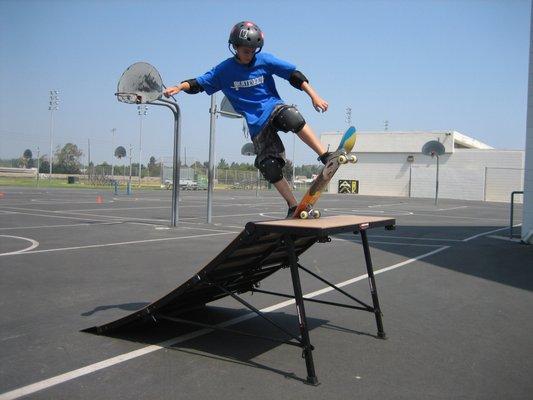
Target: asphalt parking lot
<point>456,295</point>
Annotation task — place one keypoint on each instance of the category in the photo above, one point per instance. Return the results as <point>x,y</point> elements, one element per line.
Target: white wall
<point>394,142</point>
<point>527,224</point>
<point>461,174</point>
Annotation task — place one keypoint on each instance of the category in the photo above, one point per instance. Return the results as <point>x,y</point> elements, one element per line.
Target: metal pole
<point>142,111</point>
<point>38,164</point>
<point>257,186</point>
<point>211,169</point>
<point>131,148</point>
<point>113,146</point>
<point>51,158</point>
<point>437,183</point>
<point>89,156</point>
<point>176,167</point>
<point>410,177</point>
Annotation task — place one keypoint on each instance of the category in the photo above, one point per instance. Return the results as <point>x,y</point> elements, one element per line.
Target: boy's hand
<point>320,104</point>
<point>170,91</point>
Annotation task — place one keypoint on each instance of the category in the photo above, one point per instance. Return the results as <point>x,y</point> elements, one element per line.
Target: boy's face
<point>245,54</point>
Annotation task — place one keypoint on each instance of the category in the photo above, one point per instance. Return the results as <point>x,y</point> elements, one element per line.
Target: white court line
<point>487,233</point>
<point>370,241</point>
<point>33,245</point>
<point>516,240</point>
<point>59,226</point>
<point>452,208</point>
<point>458,217</point>
<point>415,238</point>
<point>56,215</point>
<point>386,205</point>
<point>91,246</point>
<point>56,380</point>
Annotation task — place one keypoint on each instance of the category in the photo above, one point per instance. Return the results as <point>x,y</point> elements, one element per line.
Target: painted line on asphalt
<point>34,244</point>
<point>385,205</point>
<point>487,233</point>
<point>58,226</point>
<point>370,241</point>
<point>56,380</point>
<point>92,246</point>
<point>452,208</point>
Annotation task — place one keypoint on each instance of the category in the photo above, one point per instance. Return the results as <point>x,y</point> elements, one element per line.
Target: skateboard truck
<point>312,213</point>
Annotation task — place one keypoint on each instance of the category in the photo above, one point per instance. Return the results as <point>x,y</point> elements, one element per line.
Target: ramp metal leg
<point>372,283</point>
<point>300,309</point>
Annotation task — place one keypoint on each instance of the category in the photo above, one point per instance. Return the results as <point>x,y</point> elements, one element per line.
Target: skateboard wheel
<point>304,215</point>
<point>342,159</point>
<point>353,159</point>
<point>316,214</point>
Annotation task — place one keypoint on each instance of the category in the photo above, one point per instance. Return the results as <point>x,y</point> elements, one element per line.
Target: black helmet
<point>246,33</point>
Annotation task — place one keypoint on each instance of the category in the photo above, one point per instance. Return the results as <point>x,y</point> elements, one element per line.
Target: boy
<point>246,80</point>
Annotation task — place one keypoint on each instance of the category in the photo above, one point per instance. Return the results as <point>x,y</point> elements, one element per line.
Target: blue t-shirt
<point>249,88</point>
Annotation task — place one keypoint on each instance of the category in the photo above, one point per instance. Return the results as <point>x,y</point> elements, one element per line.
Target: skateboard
<point>305,208</point>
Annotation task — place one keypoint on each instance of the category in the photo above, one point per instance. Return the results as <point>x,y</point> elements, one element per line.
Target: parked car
<point>185,184</point>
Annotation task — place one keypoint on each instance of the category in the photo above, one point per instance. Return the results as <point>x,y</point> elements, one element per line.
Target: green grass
<point>62,183</point>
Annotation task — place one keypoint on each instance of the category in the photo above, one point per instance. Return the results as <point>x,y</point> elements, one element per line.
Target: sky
<point>421,65</point>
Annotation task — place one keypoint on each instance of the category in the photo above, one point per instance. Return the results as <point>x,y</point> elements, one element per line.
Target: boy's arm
<point>318,102</point>
<point>190,86</point>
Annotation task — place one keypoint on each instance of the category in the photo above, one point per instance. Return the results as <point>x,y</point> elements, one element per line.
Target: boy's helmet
<point>246,33</point>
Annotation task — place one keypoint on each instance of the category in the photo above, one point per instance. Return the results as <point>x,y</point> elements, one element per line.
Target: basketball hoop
<point>129,98</point>
<point>139,84</point>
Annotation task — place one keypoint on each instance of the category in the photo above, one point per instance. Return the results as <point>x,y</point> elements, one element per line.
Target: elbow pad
<point>195,86</point>
<point>297,79</point>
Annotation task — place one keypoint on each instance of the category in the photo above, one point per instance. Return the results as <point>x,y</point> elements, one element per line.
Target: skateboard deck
<point>341,156</point>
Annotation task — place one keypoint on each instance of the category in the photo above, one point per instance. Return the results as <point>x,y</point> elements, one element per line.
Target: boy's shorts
<point>267,144</point>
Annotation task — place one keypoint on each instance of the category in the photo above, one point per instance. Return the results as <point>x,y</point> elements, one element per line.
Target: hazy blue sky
<point>421,65</point>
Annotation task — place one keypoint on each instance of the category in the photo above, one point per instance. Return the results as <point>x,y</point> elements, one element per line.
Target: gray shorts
<point>267,144</point>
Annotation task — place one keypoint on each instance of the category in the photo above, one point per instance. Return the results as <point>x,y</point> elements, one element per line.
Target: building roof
<point>405,141</point>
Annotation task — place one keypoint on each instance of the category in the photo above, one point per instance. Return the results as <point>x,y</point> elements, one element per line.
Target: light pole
<point>53,105</point>
<point>142,110</point>
<point>38,164</point>
<point>113,144</point>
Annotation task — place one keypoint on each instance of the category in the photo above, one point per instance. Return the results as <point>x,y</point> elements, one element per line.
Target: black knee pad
<point>272,169</point>
<point>288,119</point>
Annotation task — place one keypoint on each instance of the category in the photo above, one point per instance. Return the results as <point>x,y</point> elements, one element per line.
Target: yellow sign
<point>349,186</point>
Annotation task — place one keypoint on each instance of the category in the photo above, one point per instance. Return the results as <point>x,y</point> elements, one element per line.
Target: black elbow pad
<point>297,79</point>
<point>195,86</point>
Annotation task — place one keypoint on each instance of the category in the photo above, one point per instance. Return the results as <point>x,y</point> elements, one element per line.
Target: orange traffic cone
<point>99,200</point>
<point>1,195</point>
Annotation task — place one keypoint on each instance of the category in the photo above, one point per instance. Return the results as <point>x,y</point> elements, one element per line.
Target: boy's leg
<point>307,135</point>
<point>284,189</point>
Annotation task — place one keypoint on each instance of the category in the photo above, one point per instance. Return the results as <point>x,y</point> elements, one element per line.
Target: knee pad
<point>272,169</point>
<point>288,119</point>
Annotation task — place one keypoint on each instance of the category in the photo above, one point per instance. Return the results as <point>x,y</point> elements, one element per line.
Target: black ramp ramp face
<point>257,252</point>
<point>248,259</point>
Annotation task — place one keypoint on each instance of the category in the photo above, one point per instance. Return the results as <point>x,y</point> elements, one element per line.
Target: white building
<point>392,164</point>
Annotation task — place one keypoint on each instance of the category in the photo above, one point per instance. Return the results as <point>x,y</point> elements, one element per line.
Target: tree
<point>287,170</point>
<point>44,165</point>
<point>68,159</point>
<point>222,164</point>
<point>154,169</point>
<point>26,159</point>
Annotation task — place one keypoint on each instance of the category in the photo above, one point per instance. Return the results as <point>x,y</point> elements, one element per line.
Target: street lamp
<point>53,105</point>
<point>142,111</point>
